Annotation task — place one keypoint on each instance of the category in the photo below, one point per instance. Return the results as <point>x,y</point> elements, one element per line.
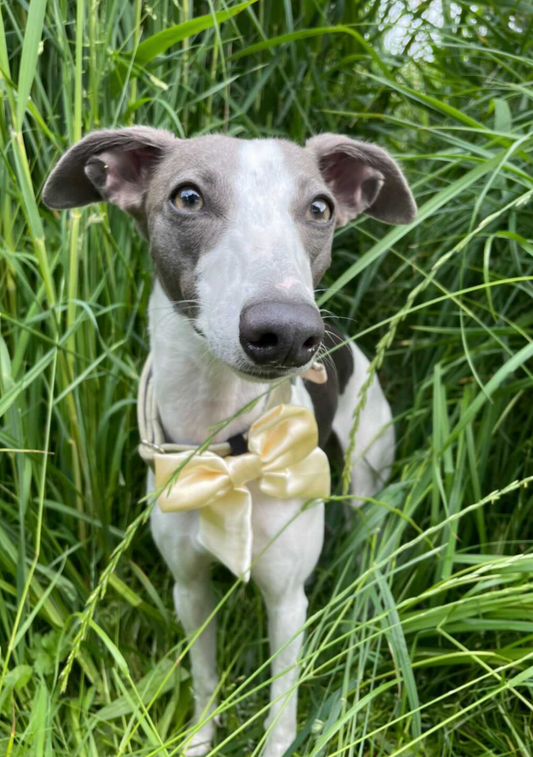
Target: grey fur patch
<point>340,367</point>
<point>178,239</point>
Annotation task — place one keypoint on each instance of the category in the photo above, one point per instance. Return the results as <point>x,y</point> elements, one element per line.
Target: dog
<point>240,234</point>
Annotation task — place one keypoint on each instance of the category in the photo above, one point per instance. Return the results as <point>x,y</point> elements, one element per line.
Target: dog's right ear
<point>111,165</point>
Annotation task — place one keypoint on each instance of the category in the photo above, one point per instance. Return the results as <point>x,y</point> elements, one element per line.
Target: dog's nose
<point>281,333</point>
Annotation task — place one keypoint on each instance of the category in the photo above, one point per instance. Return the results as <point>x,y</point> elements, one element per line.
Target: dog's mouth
<point>197,329</point>
<point>265,373</point>
<point>270,373</point>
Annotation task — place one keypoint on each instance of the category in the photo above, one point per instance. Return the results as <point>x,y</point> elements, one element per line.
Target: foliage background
<point>421,626</point>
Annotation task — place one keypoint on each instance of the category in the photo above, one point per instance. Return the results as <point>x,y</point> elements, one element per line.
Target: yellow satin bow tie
<point>284,459</point>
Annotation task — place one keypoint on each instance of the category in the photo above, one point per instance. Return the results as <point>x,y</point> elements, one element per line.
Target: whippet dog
<point>240,234</point>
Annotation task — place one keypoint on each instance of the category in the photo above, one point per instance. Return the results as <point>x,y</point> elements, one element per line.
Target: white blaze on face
<point>260,257</point>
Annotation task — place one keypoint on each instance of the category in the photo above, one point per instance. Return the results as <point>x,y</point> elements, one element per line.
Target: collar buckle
<point>152,445</point>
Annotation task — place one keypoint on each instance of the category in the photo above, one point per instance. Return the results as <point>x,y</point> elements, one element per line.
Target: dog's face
<point>240,231</point>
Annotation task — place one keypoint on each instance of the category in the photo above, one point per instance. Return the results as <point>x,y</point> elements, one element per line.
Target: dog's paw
<point>198,748</point>
<point>278,741</point>
<point>200,743</point>
<point>277,747</point>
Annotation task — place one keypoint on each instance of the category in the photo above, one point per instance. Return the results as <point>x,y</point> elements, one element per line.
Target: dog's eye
<point>188,198</point>
<point>319,211</point>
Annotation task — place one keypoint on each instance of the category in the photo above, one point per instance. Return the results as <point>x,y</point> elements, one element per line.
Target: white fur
<point>374,449</point>
<point>260,251</point>
<point>196,388</point>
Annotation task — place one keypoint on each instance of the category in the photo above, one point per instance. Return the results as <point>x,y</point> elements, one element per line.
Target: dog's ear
<point>363,179</point>
<point>110,165</point>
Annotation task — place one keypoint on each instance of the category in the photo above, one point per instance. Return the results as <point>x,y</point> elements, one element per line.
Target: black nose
<point>281,333</point>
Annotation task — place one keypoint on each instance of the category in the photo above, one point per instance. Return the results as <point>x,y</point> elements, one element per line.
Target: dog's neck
<point>194,390</point>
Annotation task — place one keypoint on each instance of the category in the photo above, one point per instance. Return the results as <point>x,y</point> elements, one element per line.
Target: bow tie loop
<point>201,481</point>
<point>283,436</point>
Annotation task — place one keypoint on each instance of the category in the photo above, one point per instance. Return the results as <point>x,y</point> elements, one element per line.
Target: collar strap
<point>152,433</point>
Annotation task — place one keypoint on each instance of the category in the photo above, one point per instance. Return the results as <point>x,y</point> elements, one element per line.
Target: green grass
<point>420,631</point>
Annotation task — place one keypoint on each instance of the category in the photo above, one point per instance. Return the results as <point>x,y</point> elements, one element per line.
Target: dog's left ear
<point>110,165</point>
<point>363,179</point>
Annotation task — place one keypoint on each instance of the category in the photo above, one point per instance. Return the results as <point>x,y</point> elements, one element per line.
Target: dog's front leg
<point>286,615</point>
<point>174,534</point>
<point>194,604</point>
<point>295,540</point>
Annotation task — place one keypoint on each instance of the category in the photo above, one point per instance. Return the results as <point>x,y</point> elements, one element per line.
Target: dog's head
<point>240,231</point>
